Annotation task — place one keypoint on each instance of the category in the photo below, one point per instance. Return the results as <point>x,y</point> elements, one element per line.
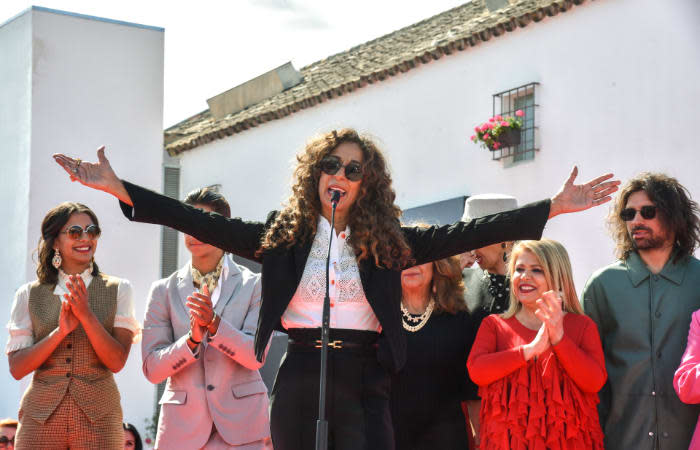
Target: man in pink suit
<point>202,343</point>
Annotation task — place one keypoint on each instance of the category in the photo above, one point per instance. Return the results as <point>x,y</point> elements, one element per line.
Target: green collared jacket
<point>643,320</point>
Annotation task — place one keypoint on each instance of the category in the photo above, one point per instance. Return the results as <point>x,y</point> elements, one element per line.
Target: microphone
<point>335,198</point>
<point>321,422</point>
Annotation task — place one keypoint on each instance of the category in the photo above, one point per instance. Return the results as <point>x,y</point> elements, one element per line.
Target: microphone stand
<point>322,423</point>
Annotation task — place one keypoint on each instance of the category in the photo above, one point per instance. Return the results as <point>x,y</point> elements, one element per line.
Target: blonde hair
<point>556,265</point>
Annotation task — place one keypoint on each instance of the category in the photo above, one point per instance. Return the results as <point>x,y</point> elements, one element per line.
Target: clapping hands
<point>67,322</point>
<point>550,312</point>
<point>202,315</point>
<point>200,306</point>
<point>77,298</point>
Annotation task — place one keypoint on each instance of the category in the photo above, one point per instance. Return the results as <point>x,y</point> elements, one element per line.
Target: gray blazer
<point>221,383</point>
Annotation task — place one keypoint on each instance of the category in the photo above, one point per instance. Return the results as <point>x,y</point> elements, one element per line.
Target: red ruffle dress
<point>546,403</point>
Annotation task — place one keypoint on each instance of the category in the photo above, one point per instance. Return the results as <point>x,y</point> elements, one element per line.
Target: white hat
<point>482,205</point>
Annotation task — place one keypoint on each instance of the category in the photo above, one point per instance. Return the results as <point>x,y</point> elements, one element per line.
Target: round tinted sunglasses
<point>331,164</point>
<point>76,231</point>
<point>648,212</point>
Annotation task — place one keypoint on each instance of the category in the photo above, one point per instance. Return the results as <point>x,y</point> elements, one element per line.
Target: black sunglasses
<point>331,164</point>
<point>76,231</point>
<point>5,440</point>
<point>648,212</point>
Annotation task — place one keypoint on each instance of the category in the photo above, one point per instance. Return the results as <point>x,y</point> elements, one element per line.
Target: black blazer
<point>282,268</point>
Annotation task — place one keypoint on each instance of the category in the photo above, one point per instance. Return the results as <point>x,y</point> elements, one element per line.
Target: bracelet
<point>189,337</point>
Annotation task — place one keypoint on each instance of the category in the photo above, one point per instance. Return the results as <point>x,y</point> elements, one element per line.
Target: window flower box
<point>499,132</point>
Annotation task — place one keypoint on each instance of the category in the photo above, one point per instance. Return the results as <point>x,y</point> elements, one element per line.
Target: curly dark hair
<point>448,285</point>
<point>374,218</point>
<point>54,220</point>
<point>676,211</point>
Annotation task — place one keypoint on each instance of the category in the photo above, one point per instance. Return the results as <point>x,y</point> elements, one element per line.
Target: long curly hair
<point>448,285</point>
<point>676,211</point>
<point>374,218</point>
<point>54,220</point>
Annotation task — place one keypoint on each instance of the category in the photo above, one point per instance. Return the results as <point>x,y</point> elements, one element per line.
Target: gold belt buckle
<point>333,344</point>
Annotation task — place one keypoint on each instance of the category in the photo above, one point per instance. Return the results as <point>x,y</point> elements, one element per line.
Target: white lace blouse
<point>349,306</point>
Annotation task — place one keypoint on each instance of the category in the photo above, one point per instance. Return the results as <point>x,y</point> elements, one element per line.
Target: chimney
<point>254,91</point>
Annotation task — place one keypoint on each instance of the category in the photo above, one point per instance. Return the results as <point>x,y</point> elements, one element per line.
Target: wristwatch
<point>191,339</point>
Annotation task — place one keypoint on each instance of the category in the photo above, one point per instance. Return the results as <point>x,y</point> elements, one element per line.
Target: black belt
<point>339,339</point>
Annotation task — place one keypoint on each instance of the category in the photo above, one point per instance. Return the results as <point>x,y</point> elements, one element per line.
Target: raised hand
<point>67,321</point>
<point>577,197</point>
<point>538,345</point>
<point>99,175</point>
<point>549,311</point>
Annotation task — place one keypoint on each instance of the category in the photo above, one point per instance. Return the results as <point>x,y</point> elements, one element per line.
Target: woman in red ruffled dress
<point>540,365</point>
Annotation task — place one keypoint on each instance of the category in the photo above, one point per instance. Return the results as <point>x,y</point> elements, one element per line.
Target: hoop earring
<point>56,261</point>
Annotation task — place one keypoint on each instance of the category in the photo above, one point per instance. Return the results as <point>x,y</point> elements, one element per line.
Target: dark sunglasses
<point>76,231</point>
<point>648,212</point>
<point>331,164</point>
<point>5,440</point>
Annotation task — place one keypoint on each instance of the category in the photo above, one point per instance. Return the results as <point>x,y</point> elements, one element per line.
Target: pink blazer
<point>219,385</point>
<point>686,381</point>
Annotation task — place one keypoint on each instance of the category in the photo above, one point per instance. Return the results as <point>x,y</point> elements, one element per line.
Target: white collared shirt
<point>349,306</point>
<point>20,325</point>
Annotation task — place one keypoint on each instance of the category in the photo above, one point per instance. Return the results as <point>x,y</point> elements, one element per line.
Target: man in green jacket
<point>642,305</point>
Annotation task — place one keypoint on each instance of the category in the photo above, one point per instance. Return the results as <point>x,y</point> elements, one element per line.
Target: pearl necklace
<point>420,321</point>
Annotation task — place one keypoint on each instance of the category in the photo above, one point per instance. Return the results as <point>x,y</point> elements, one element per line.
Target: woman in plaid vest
<point>73,327</point>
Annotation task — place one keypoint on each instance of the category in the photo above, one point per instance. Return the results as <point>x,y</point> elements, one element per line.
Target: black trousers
<point>357,399</point>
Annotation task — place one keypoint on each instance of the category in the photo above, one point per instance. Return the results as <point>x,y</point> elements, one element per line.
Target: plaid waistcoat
<point>73,368</point>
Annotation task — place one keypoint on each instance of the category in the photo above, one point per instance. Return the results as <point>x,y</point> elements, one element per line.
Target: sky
<point>214,45</point>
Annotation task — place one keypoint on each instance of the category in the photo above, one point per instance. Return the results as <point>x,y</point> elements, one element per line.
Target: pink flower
<point>492,119</point>
<point>148,440</point>
<point>486,136</point>
<point>484,127</point>
<point>504,124</point>
<point>519,113</point>
<point>496,145</point>
<point>473,138</point>
<point>498,118</point>
<point>477,129</point>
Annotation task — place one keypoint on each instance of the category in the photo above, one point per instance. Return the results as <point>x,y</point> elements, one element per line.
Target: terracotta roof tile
<point>451,31</point>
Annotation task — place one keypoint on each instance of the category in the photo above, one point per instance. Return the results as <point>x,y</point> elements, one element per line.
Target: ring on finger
<point>77,165</point>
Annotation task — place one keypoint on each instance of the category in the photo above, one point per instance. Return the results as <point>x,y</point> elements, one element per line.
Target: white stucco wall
<point>95,82</point>
<point>618,91</point>
<point>15,124</point>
